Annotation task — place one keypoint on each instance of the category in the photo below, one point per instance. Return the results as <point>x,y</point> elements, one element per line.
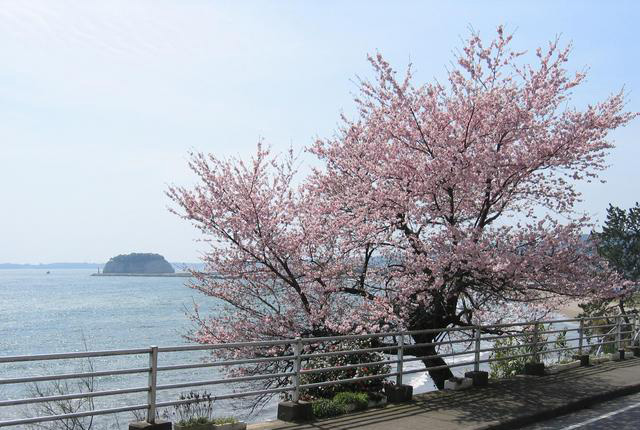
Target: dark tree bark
<point>437,375</point>
<point>433,318</point>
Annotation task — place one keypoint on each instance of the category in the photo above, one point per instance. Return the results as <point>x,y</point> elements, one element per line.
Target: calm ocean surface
<point>61,311</point>
<point>66,309</point>
<point>43,313</point>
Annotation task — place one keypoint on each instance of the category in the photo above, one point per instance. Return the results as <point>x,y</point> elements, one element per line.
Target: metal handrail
<point>35,420</point>
<point>67,355</point>
<point>224,363</point>
<point>294,350</point>
<point>222,381</point>
<point>75,375</point>
<point>228,396</point>
<point>72,396</point>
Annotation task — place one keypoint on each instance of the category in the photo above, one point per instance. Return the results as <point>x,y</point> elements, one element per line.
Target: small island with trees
<point>139,264</point>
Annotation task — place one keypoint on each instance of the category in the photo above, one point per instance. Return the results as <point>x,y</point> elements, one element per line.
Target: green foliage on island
<point>138,263</point>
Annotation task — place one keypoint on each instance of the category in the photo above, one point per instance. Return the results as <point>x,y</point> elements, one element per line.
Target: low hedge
<point>359,400</point>
<point>325,408</point>
<point>331,361</point>
<point>338,405</point>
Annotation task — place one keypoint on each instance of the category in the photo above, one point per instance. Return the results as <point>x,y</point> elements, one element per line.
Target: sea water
<point>70,311</point>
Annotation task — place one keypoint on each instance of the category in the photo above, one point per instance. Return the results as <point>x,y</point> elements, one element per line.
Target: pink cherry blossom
<point>437,205</point>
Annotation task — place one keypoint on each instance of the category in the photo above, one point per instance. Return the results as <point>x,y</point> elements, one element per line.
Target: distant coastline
<point>50,266</point>
<point>156,275</point>
<point>181,266</point>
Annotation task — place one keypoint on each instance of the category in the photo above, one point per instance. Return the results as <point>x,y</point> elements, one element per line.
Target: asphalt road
<point>620,414</point>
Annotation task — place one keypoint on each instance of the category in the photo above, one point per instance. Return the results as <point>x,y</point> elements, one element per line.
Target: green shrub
<point>506,367</point>
<point>608,348</point>
<point>224,420</point>
<point>197,409</point>
<point>566,355</point>
<point>204,420</point>
<point>194,421</point>
<point>339,404</point>
<point>360,400</point>
<point>325,408</point>
<point>329,391</point>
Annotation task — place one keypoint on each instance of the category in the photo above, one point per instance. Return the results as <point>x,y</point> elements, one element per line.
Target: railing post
<point>399,392</point>
<point>536,340</point>
<point>400,360</point>
<point>584,358</point>
<point>153,382</point>
<point>295,410</point>
<point>476,362</point>
<point>297,364</point>
<point>634,333</point>
<point>478,378</point>
<point>619,332</point>
<point>581,336</point>
<point>535,367</point>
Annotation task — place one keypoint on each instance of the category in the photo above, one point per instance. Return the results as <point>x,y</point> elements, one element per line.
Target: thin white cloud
<point>98,96</point>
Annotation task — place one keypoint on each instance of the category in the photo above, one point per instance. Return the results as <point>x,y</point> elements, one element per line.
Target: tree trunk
<point>437,375</point>
<point>433,318</point>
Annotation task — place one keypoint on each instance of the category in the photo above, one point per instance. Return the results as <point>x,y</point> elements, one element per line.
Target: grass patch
<point>359,400</point>
<point>224,420</point>
<point>325,408</point>
<point>204,420</point>
<point>339,404</point>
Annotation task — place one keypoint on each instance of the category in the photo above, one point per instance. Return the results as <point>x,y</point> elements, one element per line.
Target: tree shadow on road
<point>513,402</point>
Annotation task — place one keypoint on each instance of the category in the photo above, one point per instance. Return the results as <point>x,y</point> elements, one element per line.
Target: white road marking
<point>601,417</point>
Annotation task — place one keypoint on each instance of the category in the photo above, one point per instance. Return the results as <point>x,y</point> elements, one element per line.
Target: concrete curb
<point>564,409</point>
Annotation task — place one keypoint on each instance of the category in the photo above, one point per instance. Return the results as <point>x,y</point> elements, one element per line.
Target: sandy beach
<point>571,310</point>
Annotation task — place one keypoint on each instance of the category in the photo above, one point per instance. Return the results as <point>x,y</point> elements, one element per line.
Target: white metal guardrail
<point>618,331</point>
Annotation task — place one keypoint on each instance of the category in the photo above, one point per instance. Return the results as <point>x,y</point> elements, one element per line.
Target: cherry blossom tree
<point>438,205</point>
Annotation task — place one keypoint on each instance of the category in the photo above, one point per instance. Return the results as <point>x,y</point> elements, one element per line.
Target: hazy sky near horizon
<point>100,101</point>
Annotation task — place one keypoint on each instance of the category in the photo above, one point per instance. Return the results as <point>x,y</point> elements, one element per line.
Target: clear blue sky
<point>100,101</point>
